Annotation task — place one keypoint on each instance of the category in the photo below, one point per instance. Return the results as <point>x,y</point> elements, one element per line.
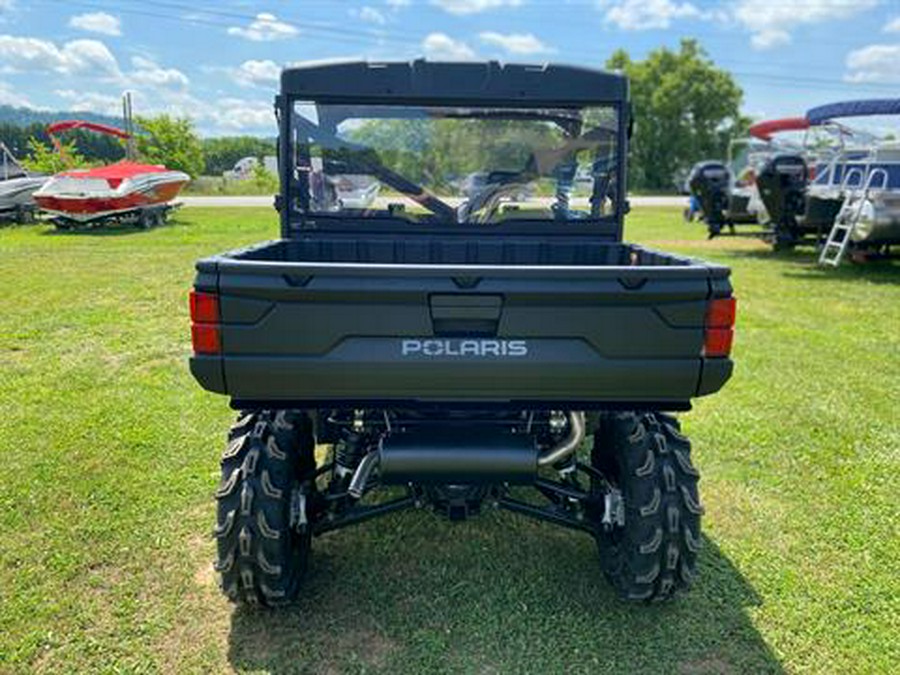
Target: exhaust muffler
<point>452,454</point>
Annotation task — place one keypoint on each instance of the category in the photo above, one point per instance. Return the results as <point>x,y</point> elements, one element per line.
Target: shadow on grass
<point>804,264</point>
<point>115,230</point>
<point>413,594</point>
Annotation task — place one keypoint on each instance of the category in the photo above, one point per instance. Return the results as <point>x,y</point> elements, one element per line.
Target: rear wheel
<point>262,533</point>
<point>651,552</point>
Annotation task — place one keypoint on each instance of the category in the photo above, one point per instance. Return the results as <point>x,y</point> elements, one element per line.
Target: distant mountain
<point>22,117</point>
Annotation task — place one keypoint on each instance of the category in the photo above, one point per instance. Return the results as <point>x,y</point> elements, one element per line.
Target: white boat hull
<point>18,192</point>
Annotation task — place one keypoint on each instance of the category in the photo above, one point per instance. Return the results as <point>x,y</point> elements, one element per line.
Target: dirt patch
<point>205,577</point>
<point>103,578</point>
<point>198,638</point>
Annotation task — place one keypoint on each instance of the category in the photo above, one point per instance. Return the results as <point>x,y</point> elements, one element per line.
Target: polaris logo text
<point>463,348</point>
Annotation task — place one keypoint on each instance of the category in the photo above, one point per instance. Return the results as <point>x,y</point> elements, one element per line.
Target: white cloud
<point>149,73</point>
<point>770,37</point>
<point>90,56</point>
<point>259,73</point>
<point>771,26</point>
<point>875,63</point>
<point>222,116</point>
<point>893,25</point>
<point>97,22</point>
<point>646,14</point>
<point>441,47</point>
<point>235,114</point>
<point>89,101</point>
<point>147,101</point>
<point>8,96</point>
<point>264,28</point>
<point>78,57</point>
<point>473,6</point>
<point>369,15</point>
<point>515,43</point>
<point>396,4</point>
<point>6,5</point>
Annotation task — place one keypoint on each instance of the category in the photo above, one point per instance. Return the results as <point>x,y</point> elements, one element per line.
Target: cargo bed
<point>384,320</point>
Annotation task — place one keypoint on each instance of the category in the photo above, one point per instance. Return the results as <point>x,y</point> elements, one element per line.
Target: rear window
<point>455,164</point>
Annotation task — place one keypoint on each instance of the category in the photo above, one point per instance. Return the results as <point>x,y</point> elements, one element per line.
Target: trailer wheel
<point>262,534</point>
<point>646,460</point>
<point>25,216</point>
<point>145,219</point>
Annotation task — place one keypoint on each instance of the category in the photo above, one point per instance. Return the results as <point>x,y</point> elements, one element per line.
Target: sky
<point>218,62</point>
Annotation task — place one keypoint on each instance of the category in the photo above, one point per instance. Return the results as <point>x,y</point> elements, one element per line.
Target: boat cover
<point>875,106</point>
<point>114,174</point>
<point>764,130</point>
<point>121,170</point>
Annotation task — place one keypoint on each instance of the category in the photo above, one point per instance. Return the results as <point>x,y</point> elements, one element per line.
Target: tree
<point>686,109</point>
<point>170,141</point>
<point>41,159</point>
<point>265,181</point>
<point>95,147</point>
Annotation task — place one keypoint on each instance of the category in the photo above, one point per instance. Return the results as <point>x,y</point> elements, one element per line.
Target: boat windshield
<point>9,166</point>
<point>445,164</point>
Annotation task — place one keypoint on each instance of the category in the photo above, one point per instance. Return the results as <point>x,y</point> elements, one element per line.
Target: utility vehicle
<point>455,352</point>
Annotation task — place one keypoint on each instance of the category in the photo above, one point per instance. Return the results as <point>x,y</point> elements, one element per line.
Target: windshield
<point>455,164</point>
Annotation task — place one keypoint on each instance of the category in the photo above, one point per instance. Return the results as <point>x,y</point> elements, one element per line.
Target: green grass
<point>109,453</point>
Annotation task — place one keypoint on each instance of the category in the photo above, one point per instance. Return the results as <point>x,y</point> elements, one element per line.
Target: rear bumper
<point>588,383</point>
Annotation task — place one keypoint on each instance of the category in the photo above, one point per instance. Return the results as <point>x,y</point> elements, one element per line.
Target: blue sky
<point>218,62</point>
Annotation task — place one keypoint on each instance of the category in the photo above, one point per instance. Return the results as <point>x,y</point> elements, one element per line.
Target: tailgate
<point>327,333</point>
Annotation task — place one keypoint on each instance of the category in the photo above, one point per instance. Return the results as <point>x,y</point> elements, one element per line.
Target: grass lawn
<point>110,456</point>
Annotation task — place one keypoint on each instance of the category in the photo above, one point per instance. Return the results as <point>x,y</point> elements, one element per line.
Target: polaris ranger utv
<point>450,350</point>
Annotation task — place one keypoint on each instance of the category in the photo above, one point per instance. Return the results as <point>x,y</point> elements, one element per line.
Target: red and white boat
<point>126,190</point>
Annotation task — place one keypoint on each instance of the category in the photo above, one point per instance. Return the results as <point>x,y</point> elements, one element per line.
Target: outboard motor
<point>782,184</point>
<point>710,183</point>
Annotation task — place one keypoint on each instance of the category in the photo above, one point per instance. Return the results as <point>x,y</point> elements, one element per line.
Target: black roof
<point>453,83</point>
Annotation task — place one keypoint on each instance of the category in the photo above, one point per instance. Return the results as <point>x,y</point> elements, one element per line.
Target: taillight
<point>205,329</point>
<point>719,331</point>
<point>204,307</point>
<point>205,338</point>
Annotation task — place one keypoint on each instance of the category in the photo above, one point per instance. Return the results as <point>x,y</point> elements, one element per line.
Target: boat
<point>727,192</point>
<point>126,191</point>
<point>17,187</point>
<point>861,182</point>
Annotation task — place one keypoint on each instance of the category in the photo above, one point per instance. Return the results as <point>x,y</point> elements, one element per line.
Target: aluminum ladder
<point>839,237</point>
